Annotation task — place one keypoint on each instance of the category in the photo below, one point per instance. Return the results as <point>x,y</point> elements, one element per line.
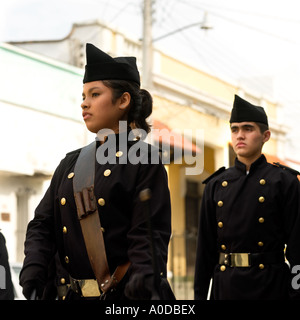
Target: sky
<point>255,42</point>
<point>43,19</point>
<point>249,38</point>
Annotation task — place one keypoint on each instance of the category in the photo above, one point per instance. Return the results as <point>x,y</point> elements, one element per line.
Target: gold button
<point>67,260</point>
<point>101,202</point>
<point>220,224</point>
<point>224,184</point>
<point>63,201</point>
<point>220,204</point>
<point>223,268</point>
<point>262,182</point>
<point>260,243</point>
<point>65,230</point>
<point>119,154</point>
<point>62,280</point>
<point>223,247</point>
<point>261,266</point>
<point>107,172</point>
<point>261,199</point>
<point>261,220</point>
<point>71,175</point>
<point>102,229</point>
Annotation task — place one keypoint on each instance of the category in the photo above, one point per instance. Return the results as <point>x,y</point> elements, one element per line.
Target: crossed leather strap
<point>88,215</point>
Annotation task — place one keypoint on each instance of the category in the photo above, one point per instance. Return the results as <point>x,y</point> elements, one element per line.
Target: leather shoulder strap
<point>85,168</point>
<point>83,184</point>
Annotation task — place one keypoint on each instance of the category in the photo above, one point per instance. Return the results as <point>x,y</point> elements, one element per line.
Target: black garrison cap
<point>101,66</point>
<point>245,111</point>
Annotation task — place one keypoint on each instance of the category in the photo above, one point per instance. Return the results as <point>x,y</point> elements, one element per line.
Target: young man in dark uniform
<point>249,215</point>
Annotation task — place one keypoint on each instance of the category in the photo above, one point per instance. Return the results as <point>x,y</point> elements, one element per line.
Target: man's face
<point>247,139</point>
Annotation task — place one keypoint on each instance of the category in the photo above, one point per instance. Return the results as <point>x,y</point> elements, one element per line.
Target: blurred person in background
<point>6,286</point>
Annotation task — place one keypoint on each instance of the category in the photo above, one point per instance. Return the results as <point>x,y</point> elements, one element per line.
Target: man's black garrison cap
<point>244,111</point>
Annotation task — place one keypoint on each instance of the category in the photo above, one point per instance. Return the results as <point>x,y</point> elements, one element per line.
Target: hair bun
<point>146,103</point>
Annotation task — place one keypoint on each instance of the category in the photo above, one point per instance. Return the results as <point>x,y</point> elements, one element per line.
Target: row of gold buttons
<point>63,202</point>
<point>260,220</point>
<point>101,202</point>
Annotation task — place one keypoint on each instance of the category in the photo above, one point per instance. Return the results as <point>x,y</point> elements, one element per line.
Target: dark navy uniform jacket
<point>117,187</point>
<point>257,212</point>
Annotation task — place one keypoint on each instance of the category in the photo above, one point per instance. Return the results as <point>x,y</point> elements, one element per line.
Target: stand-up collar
<point>242,167</point>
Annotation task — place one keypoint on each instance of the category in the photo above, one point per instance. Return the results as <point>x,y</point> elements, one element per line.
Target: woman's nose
<point>84,104</point>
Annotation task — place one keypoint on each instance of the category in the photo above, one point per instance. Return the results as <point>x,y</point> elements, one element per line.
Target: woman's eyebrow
<point>90,89</point>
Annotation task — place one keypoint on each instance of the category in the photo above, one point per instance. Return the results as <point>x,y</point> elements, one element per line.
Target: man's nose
<point>240,134</point>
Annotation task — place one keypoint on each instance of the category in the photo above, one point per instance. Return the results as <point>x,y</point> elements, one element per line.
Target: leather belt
<point>90,288</point>
<point>250,259</point>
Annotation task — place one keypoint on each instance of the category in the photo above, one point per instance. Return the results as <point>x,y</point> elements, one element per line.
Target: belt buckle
<point>240,259</point>
<point>85,287</point>
<point>90,288</point>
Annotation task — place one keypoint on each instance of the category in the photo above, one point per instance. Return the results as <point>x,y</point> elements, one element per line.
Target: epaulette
<point>279,165</point>
<point>222,169</point>
<point>73,152</point>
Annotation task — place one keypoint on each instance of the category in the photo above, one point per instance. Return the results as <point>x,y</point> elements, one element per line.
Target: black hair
<point>262,127</point>
<point>141,102</point>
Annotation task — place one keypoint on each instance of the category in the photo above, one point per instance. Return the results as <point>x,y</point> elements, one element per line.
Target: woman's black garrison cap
<point>101,66</point>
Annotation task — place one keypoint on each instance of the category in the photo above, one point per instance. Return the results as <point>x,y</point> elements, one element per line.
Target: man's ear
<point>266,136</point>
<point>125,100</point>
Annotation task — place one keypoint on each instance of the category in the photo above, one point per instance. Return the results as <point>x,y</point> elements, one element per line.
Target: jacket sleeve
<point>206,255</point>
<point>40,237</point>
<point>154,177</point>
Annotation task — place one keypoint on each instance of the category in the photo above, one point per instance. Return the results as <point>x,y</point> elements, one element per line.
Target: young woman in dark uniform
<point>111,93</point>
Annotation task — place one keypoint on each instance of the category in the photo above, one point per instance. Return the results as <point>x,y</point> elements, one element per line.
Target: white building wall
<point>40,122</point>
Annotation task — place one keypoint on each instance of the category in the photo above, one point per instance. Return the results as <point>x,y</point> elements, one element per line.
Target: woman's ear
<point>125,100</point>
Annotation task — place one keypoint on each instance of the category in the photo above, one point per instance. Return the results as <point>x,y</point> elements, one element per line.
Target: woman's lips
<point>86,115</point>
